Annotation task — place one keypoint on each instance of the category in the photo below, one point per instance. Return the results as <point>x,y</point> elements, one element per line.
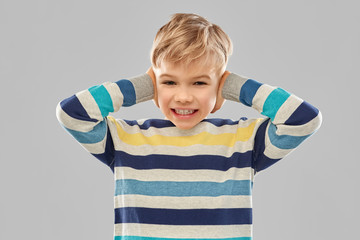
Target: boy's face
<point>186,95</point>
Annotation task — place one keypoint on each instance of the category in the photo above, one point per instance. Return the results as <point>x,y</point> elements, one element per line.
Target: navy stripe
<point>221,122</point>
<point>108,156</point>
<point>162,123</point>
<point>74,109</point>
<point>215,162</point>
<point>156,123</point>
<point>223,216</point>
<point>261,161</point>
<point>259,146</point>
<point>183,189</point>
<point>128,91</point>
<point>303,114</point>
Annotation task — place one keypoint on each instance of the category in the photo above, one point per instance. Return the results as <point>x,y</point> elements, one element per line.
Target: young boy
<point>187,176</point>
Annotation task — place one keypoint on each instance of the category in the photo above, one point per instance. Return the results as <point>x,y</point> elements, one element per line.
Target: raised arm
<point>290,120</point>
<point>84,114</point>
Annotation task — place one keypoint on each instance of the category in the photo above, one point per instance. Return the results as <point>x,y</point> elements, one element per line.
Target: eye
<point>200,83</point>
<point>169,82</point>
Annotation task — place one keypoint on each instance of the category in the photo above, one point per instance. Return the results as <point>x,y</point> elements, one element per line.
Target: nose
<point>183,95</point>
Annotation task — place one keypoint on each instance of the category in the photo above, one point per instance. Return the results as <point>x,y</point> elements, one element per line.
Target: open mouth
<point>184,112</point>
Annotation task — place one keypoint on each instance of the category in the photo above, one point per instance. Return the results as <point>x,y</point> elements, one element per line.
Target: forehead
<point>196,68</point>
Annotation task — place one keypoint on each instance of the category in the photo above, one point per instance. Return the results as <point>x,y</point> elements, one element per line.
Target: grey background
<point>52,188</point>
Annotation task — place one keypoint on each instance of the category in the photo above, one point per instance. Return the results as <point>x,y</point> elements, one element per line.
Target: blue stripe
<point>128,91</point>
<point>303,114</point>
<point>103,99</point>
<point>182,189</point>
<point>158,238</point>
<point>94,136</point>
<point>248,91</point>
<point>274,101</point>
<point>284,141</point>
<point>72,107</point>
<point>222,216</point>
<point>214,162</point>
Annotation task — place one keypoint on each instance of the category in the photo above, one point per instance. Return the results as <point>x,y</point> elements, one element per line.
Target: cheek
<point>163,98</point>
<point>212,102</point>
<point>208,100</point>
<point>213,94</point>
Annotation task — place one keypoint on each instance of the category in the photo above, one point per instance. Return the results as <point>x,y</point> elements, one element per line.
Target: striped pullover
<point>172,183</point>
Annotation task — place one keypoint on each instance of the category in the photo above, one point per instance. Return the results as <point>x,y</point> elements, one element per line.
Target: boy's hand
<point>151,73</point>
<point>219,99</point>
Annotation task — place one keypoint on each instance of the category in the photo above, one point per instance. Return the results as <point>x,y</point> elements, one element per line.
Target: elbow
<point>317,121</point>
<point>60,114</point>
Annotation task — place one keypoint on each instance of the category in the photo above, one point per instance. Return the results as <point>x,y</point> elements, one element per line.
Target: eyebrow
<point>201,76</point>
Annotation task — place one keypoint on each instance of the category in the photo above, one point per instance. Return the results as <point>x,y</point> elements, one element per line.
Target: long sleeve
<point>290,120</point>
<point>84,114</point>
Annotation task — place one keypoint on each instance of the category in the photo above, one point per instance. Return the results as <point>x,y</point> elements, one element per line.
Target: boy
<point>187,176</point>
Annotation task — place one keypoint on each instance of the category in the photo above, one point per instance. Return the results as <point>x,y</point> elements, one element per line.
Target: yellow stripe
<point>205,138</point>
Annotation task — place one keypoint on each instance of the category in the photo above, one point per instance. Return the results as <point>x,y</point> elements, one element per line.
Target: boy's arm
<point>84,114</point>
<point>290,120</point>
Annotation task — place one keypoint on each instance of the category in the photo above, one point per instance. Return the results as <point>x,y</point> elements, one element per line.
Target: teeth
<point>184,111</point>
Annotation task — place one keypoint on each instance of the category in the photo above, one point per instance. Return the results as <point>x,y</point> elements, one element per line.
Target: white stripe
<point>183,175</point>
<point>95,148</point>
<point>287,109</point>
<point>88,102</point>
<point>182,202</point>
<point>183,231</point>
<point>300,130</point>
<point>232,86</point>
<point>260,97</point>
<point>275,153</point>
<point>198,149</point>
<point>115,94</point>
<point>272,151</point>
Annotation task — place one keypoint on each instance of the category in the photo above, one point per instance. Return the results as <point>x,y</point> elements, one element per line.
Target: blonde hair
<point>188,37</point>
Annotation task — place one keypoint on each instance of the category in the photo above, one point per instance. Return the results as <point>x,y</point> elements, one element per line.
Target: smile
<point>184,111</point>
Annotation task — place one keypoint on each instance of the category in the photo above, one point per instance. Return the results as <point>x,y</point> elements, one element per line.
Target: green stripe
<point>274,101</point>
<point>103,99</point>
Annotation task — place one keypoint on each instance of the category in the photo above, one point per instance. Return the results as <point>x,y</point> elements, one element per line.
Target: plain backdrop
<point>51,188</point>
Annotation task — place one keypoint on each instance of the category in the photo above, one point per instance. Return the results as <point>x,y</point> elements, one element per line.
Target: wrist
<point>232,87</point>
<point>151,73</point>
<point>143,89</point>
